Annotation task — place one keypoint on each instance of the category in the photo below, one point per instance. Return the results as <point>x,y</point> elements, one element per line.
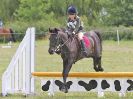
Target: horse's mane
<point>63,29</point>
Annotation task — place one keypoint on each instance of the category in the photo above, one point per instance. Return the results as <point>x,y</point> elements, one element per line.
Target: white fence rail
<point>17,77</point>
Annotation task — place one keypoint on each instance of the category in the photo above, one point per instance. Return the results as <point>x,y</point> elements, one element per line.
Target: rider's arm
<point>78,26</point>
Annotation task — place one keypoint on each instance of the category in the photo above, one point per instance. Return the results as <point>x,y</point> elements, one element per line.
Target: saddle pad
<point>87,41</point>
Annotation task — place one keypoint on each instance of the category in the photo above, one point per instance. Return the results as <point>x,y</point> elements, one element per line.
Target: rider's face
<point>72,17</point>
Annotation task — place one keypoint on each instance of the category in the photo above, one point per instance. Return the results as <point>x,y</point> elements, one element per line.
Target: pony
<point>8,34</point>
<point>68,46</point>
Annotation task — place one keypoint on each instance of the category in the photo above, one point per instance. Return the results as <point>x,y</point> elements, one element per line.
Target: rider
<point>1,23</point>
<point>75,26</point>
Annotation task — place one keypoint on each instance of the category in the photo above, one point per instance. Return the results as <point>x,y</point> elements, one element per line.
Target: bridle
<point>58,44</point>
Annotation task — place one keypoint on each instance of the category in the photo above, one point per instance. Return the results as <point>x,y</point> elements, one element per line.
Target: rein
<point>60,45</point>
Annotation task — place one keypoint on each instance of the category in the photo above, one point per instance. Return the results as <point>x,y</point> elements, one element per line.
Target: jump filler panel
<point>99,85</point>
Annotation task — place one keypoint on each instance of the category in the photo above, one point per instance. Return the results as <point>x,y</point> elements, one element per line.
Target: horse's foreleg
<point>66,69</point>
<point>12,36</point>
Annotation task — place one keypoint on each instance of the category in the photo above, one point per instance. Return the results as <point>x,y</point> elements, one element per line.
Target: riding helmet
<point>72,10</point>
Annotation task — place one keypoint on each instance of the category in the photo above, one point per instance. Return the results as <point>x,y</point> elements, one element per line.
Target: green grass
<point>115,58</point>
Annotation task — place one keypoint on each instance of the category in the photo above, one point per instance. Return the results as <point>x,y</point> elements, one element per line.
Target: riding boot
<point>83,48</point>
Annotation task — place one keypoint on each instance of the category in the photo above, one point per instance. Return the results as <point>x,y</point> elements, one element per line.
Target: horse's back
<point>97,40</point>
<point>4,31</point>
<point>95,35</point>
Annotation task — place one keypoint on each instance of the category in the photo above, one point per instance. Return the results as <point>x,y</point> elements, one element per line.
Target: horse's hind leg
<point>95,64</point>
<point>99,64</point>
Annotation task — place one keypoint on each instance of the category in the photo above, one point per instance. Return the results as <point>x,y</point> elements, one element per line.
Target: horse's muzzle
<point>51,51</point>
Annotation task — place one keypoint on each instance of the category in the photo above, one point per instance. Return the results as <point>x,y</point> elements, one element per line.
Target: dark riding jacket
<point>75,26</point>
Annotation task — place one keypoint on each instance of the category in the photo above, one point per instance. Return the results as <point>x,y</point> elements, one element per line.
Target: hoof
<point>101,69</point>
<point>96,69</point>
<point>64,89</point>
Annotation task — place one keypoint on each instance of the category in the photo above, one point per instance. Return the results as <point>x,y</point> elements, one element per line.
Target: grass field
<point>115,58</point>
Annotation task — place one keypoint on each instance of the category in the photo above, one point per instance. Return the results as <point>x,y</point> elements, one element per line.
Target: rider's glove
<point>73,32</point>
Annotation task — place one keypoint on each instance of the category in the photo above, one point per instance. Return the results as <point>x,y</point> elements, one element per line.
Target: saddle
<point>86,41</point>
<point>86,38</point>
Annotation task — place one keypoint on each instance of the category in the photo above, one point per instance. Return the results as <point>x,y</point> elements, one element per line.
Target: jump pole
<point>86,74</point>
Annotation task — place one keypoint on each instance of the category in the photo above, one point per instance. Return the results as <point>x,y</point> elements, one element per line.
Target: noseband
<point>58,43</point>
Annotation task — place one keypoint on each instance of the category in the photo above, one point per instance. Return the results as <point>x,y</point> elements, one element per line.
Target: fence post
<point>32,43</point>
<point>17,77</point>
<point>118,38</point>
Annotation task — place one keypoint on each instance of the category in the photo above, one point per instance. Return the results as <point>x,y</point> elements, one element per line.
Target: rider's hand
<point>73,33</point>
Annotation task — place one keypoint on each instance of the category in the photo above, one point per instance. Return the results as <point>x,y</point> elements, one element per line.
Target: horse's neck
<point>70,42</point>
<point>64,36</point>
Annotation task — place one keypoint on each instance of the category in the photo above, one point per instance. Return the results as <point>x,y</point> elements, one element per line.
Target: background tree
<point>32,10</point>
<point>119,12</point>
<point>7,8</point>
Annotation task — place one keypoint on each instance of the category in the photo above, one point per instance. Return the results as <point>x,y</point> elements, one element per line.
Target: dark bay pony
<point>70,50</point>
<point>7,33</point>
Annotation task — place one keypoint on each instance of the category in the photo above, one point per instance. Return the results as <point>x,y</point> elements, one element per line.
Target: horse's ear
<point>56,29</point>
<point>50,30</point>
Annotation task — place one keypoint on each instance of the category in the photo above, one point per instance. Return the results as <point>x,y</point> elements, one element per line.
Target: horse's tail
<point>100,38</point>
<point>12,34</point>
<point>99,35</point>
